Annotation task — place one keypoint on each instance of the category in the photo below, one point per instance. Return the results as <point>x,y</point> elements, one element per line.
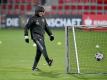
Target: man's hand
<point>51,38</point>
<point>26,39</point>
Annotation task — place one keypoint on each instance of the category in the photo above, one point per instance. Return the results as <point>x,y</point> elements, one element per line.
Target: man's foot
<point>50,62</point>
<point>35,69</point>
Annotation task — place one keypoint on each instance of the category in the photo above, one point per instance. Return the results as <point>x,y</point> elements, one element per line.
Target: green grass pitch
<point>16,59</point>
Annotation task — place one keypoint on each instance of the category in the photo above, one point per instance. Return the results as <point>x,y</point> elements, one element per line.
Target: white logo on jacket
<point>43,20</point>
<point>37,22</point>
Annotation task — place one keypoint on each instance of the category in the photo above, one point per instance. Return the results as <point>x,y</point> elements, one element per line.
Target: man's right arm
<point>26,30</point>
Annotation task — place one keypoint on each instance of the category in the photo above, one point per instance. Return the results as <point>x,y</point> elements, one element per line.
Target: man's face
<point>41,13</point>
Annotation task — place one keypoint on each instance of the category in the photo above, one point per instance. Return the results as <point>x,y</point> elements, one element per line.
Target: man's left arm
<point>48,31</point>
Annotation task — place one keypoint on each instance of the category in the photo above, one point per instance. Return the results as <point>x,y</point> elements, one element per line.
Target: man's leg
<point>41,46</point>
<point>49,61</point>
<point>37,58</point>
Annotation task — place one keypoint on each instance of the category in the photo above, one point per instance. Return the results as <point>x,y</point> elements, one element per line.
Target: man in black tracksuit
<point>38,26</point>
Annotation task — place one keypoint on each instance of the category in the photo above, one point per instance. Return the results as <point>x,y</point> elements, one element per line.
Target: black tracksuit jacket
<point>37,25</point>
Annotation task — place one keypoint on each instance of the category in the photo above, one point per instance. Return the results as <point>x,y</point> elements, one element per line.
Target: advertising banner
<point>58,20</point>
<point>64,20</point>
<point>94,19</point>
<point>12,21</point>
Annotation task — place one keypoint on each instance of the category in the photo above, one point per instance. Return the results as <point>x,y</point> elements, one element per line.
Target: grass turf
<point>16,59</point>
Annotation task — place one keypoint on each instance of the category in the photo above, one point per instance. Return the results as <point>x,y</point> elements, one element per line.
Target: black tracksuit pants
<point>41,48</point>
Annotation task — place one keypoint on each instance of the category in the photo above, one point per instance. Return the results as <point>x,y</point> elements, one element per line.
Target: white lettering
<point>79,21</point>
<point>100,22</point>
<point>68,22</point>
<point>12,22</point>
<point>8,22</point>
<point>61,22</point>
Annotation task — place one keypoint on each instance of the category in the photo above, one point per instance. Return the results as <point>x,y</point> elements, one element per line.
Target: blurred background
<point>16,57</point>
<point>14,13</point>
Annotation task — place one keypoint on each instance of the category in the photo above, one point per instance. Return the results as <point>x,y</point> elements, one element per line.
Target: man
<point>38,26</point>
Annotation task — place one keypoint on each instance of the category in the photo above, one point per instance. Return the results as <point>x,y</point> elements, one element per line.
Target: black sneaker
<point>35,69</point>
<point>50,62</point>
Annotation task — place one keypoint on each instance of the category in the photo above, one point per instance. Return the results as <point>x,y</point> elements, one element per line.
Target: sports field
<point>16,59</point>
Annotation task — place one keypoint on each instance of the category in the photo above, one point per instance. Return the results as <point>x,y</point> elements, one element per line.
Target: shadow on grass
<point>46,74</point>
<point>90,76</point>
